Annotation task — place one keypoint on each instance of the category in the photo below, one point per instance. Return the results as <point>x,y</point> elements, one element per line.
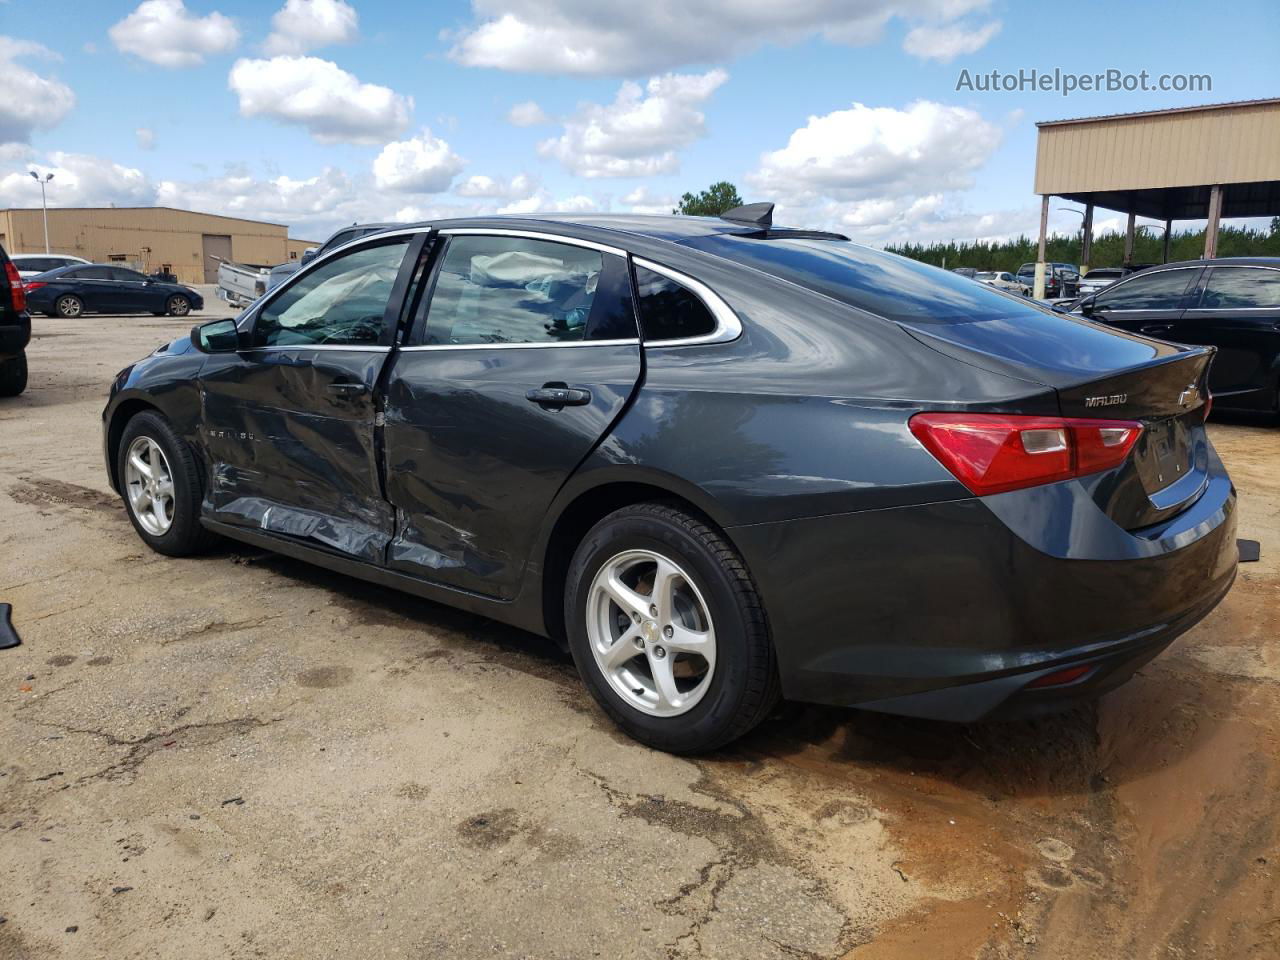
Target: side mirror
<point>216,336</point>
<point>308,255</point>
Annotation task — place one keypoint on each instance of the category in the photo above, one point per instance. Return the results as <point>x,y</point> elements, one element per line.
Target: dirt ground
<point>241,756</point>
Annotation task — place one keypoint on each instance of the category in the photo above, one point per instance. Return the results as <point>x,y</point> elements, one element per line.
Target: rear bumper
<point>948,610</point>
<point>15,335</point>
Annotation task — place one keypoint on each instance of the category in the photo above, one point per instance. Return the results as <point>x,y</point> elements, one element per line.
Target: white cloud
<point>422,164</point>
<point>867,152</point>
<point>79,180</point>
<point>163,32</point>
<point>639,133</point>
<point>947,41</point>
<point>146,138</point>
<point>30,101</point>
<point>319,203</point>
<point>527,114</point>
<point>640,200</point>
<point>517,188</point>
<point>332,104</point>
<point>302,25</point>
<point>571,36</point>
<point>542,202</point>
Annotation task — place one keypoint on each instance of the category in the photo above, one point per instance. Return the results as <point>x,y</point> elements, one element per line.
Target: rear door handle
<point>348,389</point>
<point>559,395</point>
<point>1157,328</point>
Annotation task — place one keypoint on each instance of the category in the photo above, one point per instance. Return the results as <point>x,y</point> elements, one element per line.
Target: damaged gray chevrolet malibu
<point>722,462</point>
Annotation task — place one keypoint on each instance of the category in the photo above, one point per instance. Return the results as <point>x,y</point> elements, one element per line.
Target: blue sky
<point>321,112</point>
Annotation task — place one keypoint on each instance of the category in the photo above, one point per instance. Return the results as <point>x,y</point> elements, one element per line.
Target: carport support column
<point>1038,290</point>
<point>1128,240</point>
<point>1168,233</point>
<point>1086,239</point>
<point>1211,228</point>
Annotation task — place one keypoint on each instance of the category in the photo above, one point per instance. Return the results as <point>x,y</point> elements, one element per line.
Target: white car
<point>1099,278</point>
<point>1002,280</point>
<point>31,264</point>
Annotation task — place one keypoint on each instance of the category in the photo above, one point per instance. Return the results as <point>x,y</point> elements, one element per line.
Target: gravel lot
<point>241,756</point>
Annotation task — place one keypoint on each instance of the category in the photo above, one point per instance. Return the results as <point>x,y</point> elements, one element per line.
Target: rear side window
<point>668,310</point>
<point>499,289</point>
<point>89,273</point>
<point>1148,291</point>
<point>1241,288</point>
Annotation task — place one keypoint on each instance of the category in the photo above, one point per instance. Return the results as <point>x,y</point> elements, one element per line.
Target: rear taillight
<point>1062,677</point>
<point>16,291</point>
<point>28,287</point>
<point>994,453</point>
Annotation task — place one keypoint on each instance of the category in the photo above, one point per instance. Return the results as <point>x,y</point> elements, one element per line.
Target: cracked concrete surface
<point>240,756</point>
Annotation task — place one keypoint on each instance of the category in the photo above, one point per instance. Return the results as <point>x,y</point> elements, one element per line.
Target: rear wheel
<point>178,306</point>
<point>13,375</point>
<point>161,486</point>
<point>69,306</point>
<point>667,630</point>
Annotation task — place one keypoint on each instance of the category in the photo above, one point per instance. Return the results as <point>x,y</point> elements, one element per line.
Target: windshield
<point>882,283</point>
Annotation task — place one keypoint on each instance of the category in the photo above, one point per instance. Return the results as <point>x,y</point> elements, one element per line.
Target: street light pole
<point>44,204</point>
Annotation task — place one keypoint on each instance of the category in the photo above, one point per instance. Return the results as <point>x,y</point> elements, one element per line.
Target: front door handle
<point>348,389</point>
<point>559,395</point>
<point>1157,328</point>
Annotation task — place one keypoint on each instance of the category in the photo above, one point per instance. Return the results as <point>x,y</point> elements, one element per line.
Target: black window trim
<point>1187,289</point>
<point>1203,285</point>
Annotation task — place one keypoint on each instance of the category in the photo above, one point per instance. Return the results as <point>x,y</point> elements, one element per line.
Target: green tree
<point>712,202</point>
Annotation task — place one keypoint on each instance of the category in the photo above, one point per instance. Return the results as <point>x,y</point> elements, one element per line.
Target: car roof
<point>47,256</point>
<point>672,228</point>
<point>1220,262</point>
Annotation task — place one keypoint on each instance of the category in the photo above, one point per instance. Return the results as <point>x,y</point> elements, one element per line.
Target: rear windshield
<point>882,283</point>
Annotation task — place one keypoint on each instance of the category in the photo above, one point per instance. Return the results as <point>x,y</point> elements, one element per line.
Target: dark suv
<point>15,330</point>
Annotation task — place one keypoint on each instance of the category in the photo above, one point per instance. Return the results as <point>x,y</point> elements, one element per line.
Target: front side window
<point>1150,291</point>
<point>668,310</point>
<point>341,302</point>
<point>1241,288</point>
<point>119,273</point>
<point>497,289</point>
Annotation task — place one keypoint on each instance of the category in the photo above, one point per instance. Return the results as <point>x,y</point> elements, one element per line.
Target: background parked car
<point>31,264</point>
<point>1060,279</point>
<point>1002,280</point>
<point>280,273</point>
<point>969,272</point>
<point>1232,304</point>
<point>102,288</point>
<point>15,330</point>
<point>1101,277</point>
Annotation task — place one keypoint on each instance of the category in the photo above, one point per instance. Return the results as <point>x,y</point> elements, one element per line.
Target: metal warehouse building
<point>182,242</point>
<point>1188,163</point>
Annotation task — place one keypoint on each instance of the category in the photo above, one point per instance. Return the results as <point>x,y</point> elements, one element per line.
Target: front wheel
<point>161,486</point>
<point>13,375</point>
<point>668,631</point>
<point>177,306</point>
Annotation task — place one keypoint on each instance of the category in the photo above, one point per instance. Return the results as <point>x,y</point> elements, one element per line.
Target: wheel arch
<point>585,507</point>
<point>124,411</point>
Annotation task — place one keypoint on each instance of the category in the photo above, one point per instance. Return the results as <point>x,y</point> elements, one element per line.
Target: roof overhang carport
<point>1190,163</point>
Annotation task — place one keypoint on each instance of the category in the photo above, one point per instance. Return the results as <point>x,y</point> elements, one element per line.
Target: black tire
<point>13,375</point>
<point>185,535</point>
<point>744,685</point>
<point>69,306</point>
<point>177,306</point>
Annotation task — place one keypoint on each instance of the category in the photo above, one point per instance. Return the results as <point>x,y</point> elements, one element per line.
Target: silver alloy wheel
<point>149,483</point>
<point>69,307</point>
<point>179,306</point>
<point>651,633</point>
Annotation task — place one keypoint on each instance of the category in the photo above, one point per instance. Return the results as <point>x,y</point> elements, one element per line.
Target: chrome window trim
<point>540,345</point>
<point>728,326</point>
<point>284,347</point>
<point>531,235</point>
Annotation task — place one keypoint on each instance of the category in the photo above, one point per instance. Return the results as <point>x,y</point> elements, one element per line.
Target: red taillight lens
<point>1061,677</point>
<point>28,287</point>
<point>1208,403</point>
<point>15,286</point>
<point>994,453</point>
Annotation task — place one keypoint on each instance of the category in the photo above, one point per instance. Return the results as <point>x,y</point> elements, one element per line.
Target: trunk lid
<point>1106,374</point>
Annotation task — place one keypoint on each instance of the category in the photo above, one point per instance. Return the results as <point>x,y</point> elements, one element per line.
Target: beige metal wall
<point>148,237</point>
<point>1175,149</point>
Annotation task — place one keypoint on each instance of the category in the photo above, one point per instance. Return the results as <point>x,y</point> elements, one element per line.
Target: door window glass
<point>493,289</point>
<point>89,273</point>
<point>669,311</point>
<point>339,302</point>
<point>119,273</point>
<point>1150,291</point>
<point>1241,288</point>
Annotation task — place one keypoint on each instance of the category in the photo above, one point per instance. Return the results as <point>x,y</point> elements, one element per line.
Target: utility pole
<point>44,204</point>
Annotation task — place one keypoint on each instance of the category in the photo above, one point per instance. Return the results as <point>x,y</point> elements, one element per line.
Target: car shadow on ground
<point>1060,755</point>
